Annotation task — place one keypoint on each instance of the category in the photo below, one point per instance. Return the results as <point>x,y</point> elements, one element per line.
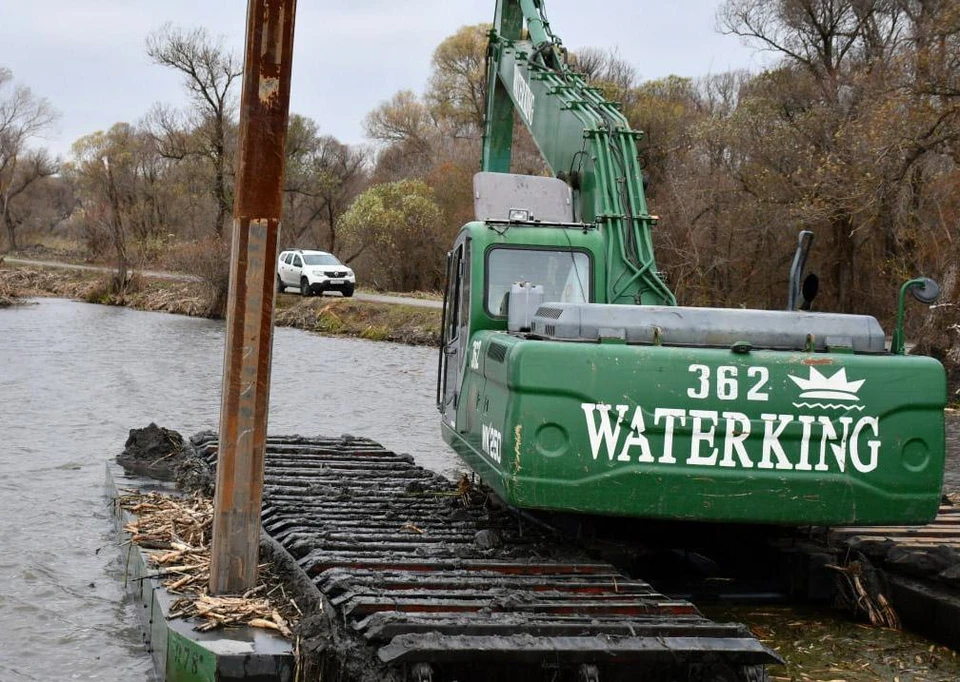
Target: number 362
<point>725,384</point>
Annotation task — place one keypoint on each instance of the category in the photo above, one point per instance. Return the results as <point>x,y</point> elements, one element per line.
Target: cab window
<point>455,278</point>
<point>565,275</point>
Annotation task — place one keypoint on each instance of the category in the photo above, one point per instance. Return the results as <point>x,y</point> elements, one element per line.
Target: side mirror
<point>924,290</point>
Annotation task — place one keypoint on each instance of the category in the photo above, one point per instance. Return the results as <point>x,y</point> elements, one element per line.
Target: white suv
<point>314,272</point>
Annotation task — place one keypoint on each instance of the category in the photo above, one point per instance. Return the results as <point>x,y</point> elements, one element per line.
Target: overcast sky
<point>87,57</point>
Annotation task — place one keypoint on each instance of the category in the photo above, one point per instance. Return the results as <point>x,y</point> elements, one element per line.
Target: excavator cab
<point>514,277</point>
<point>571,380</point>
<point>565,403</point>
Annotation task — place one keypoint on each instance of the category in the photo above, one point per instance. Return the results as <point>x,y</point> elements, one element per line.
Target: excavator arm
<point>584,139</point>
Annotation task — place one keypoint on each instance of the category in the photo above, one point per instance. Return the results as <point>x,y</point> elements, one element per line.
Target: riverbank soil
<point>360,319</point>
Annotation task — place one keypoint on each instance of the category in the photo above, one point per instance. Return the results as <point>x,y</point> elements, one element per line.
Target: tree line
<point>852,133</point>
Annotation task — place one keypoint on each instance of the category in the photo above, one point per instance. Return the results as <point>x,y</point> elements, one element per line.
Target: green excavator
<point>570,380</point>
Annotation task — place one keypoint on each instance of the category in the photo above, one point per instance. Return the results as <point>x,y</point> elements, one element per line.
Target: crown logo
<point>834,388</point>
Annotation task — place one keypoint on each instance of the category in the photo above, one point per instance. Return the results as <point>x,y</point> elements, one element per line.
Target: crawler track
<point>943,534</point>
<point>437,584</point>
<point>914,568</point>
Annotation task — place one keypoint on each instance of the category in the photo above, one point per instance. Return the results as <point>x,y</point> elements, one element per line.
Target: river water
<point>74,379</point>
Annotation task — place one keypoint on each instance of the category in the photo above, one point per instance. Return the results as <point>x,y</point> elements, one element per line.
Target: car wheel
<point>348,290</point>
<point>304,287</point>
<point>280,287</point>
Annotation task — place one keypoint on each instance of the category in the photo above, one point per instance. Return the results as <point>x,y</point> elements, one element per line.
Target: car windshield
<point>564,275</point>
<point>320,259</point>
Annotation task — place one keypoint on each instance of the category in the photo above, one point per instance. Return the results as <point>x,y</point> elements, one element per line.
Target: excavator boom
<point>584,139</point>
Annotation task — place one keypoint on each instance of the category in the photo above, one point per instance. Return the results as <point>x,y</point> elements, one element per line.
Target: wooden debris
<point>470,494</point>
<point>855,592</point>
<point>179,529</point>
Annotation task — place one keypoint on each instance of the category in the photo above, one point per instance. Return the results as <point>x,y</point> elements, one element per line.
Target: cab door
<point>456,316</point>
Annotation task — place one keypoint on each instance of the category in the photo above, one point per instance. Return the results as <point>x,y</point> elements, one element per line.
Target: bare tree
<point>323,176</point>
<point>402,119</point>
<point>409,136</point>
<point>116,223</point>
<point>609,71</point>
<point>209,72</point>
<point>118,178</point>
<point>458,84</point>
<point>819,34</point>
<point>806,113</point>
<point>23,116</point>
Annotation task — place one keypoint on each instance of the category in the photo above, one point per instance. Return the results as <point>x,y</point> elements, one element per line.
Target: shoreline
<point>400,322</point>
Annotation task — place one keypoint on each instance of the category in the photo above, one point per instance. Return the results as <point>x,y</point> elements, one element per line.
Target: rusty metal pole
<point>264,109</point>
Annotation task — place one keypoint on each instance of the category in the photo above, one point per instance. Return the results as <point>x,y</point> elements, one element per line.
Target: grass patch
<point>375,333</point>
<point>362,319</point>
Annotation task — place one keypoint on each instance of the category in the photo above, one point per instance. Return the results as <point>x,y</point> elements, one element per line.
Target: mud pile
<point>163,454</point>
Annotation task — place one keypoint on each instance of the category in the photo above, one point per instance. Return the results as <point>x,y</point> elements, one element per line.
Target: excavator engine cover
<point>608,425</point>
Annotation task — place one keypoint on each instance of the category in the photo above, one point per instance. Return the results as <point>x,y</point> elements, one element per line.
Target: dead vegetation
<point>858,590</point>
<point>825,646</point>
<point>8,296</point>
<point>208,260</point>
<point>177,530</point>
<point>27,282</point>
